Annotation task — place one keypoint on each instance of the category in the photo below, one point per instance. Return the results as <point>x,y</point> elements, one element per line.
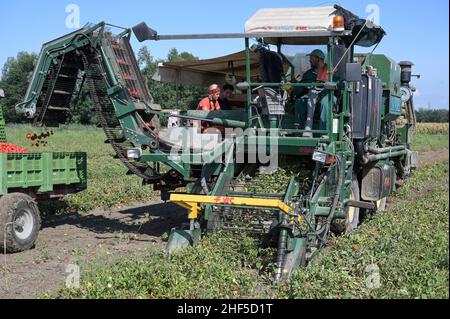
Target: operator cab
<point>267,75</point>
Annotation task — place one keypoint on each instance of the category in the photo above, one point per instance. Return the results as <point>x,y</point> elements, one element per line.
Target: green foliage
<point>174,56</point>
<point>165,94</point>
<point>219,267</point>
<point>81,112</point>
<point>409,245</point>
<point>429,142</point>
<point>432,116</point>
<point>14,81</point>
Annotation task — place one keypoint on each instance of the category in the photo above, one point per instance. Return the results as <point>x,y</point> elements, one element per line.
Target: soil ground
<point>74,239</point>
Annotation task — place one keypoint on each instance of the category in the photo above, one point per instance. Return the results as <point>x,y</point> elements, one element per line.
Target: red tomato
<point>11,148</point>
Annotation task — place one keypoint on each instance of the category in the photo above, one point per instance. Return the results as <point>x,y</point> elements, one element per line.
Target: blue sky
<point>416,30</point>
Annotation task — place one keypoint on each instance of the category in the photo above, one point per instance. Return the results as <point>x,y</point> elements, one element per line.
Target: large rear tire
<point>20,222</point>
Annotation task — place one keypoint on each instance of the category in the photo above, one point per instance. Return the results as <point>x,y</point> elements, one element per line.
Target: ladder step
<point>114,131</point>
<point>118,140</point>
<point>57,108</point>
<point>61,92</point>
<point>67,76</point>
<point>71,65</point>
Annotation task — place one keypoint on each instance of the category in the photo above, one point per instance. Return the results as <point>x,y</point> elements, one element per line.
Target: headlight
<point>319,157</point>
<point>323,158</point>
<point>134,153</point>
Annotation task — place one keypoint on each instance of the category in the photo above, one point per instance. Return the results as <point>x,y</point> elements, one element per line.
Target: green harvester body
<point>349,163</point>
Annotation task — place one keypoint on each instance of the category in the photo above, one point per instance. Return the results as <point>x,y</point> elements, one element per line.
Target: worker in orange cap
<point>211,102</point>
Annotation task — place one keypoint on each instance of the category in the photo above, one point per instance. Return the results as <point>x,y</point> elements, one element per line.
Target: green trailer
<point>44,175</point>
<point>26,178</point>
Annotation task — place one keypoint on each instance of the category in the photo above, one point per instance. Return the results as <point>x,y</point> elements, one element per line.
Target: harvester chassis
<point>353,164</point>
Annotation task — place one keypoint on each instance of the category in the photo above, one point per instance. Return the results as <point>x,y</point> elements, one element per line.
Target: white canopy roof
<point>312,19</point>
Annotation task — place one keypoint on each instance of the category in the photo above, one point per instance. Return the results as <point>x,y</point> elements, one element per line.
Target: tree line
<point>17,71</point>
<point>432,116</point>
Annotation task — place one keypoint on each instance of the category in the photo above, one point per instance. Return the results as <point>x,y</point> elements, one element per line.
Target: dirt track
<point>72,239</point>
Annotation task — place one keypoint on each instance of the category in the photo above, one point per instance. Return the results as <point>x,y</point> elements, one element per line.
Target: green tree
<point>165,94</point>
<point>432,116</point>
<point>81,109</point>
<point>14,81</point>
<point>174,56</point>
<point>145,61</point>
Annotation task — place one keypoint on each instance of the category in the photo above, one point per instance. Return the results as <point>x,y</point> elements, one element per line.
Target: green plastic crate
<point>42,172</point>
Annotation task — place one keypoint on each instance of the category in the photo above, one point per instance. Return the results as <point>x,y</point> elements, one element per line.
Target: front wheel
<point>352,220</point>
<point>380,205</point>
<point>341,226</point>
<point>20,222</point>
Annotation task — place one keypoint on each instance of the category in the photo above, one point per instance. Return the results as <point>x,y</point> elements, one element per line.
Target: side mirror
<point>353,72</point>
<point>2,93</point>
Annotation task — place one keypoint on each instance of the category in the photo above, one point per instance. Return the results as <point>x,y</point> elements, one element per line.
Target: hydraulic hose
<point>336,198</point>
<point>386,149</point>
<point>377,157</point>
<point>326,228</point>
<point>282,241</point>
